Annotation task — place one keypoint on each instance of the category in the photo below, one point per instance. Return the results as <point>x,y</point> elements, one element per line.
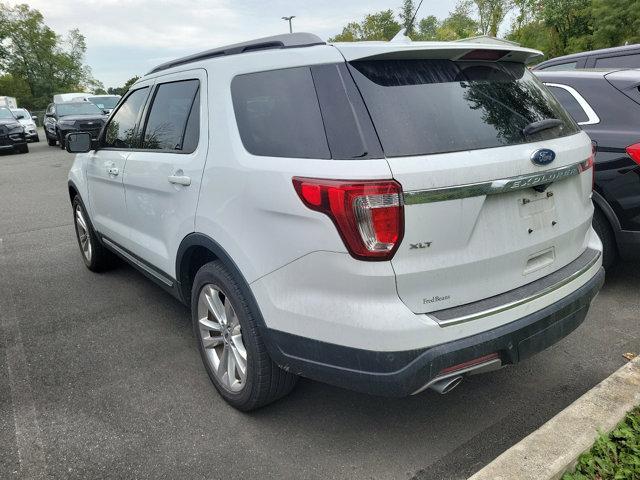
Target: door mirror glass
<point>78,142</point>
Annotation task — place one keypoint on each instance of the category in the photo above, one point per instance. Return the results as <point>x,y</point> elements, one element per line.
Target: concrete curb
<point>550,451</point>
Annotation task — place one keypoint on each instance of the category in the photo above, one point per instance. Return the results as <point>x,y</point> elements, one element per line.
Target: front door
<point>162,178</point>
<point>105,168</point>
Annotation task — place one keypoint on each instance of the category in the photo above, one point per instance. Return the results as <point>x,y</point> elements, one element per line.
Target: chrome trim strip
<point>137,262</point>
<point>493,187</point>
<point>489,366</point>
<point>522,301</point>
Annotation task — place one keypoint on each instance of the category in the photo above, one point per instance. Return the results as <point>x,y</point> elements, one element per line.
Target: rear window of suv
<point>424,107</point>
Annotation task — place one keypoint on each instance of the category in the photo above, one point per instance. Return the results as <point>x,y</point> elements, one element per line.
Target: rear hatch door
<point>494,172</point>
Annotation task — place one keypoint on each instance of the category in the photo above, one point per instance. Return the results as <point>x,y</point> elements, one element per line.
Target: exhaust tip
<point>444,386</point>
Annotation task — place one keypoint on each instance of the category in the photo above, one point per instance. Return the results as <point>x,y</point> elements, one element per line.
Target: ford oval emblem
<point>544,156</point>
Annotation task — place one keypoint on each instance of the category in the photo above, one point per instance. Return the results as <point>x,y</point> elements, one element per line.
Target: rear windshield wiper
<point>546,124</point>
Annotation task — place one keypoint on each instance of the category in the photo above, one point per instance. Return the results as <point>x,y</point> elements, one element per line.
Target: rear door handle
<point>179,179</point>
<point>113,171</point>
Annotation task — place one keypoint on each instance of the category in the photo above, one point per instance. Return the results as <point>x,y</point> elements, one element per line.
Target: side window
<point>570,104</point>
<point>120,131</point>
<point>278,115</point>
<point>562,66</point>
<point>173,122</point>
<point>621,61</point>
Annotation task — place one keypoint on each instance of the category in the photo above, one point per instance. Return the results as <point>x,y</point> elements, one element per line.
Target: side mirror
<point>48,115</point>
<point>34,118</point>
<point>78,142</point>
<point>105,111</point>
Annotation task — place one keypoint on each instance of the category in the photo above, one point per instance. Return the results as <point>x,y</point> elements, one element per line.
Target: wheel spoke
<point>80,220</point>
<point>230,314</point>
<point>240,361</point>
<point>231,366</point>
<point>215,305</point>
<point>224,361</point>
<point>207,325</point>
<point>211,342</point>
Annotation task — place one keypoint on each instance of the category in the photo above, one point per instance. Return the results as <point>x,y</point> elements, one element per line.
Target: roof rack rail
<point>287,40</point>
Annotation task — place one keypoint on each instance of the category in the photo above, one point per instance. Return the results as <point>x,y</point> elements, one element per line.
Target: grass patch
<point>613,457</point>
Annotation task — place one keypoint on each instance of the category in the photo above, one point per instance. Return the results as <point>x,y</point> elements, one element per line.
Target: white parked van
<point>384,217</point>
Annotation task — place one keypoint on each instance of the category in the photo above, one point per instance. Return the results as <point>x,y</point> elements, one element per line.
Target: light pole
<point>288,19</point>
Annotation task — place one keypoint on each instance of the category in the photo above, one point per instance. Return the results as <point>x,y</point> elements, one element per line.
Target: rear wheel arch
<point>198,249</point>
<point>73,191</point>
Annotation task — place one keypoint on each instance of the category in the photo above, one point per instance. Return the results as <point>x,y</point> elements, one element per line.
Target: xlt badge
<point>414,246</point>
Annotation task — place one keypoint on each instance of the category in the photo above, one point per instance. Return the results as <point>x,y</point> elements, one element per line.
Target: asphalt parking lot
<point>100,376</point>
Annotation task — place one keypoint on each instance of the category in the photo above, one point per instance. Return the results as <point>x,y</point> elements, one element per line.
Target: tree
<point>459,23</point>
<point>36,57</point>
<point>406,15</point>
<point>491,13</point>
<point>125,88</point>
<point>570,23</point>
<point>428,28</point>
<point>615,22</point>
<point>376,26</point>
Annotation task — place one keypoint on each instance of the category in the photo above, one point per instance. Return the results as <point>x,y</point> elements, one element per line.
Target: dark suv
<point>12,136</point>
<point>606,104</point>
<point>627,56</point>
<point>68,117</point>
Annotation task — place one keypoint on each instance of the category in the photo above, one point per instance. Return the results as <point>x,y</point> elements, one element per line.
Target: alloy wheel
<point>221,337</point>
<point>82,231</point>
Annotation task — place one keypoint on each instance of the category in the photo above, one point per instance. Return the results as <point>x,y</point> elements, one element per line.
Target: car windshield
<point>104,102</point>
<point>79,108</point>
<point>5,113</point>
<point>434,106</point>
<point>23,112</point>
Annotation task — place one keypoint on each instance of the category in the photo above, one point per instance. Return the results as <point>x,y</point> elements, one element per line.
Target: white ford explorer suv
<point>379,216</point>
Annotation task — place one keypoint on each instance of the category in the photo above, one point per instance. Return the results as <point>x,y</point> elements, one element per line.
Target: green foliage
<point>406,14</point>
<point>376,26</point>
<point>459,23</point>
<point>124,89</point>
<point>427,29</point>
<point>491,13</point>
<point>615,22</point>
<point>37,62</point>
<point>613,457</point>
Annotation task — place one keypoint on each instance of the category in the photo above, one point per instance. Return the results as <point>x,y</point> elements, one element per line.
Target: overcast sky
<point>129,37</point>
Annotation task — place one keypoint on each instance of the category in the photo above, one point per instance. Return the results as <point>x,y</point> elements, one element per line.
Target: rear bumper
<point>405,372</point>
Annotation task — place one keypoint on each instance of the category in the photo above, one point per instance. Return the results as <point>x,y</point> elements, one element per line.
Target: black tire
<point>61,141</point>
<point>603,228</point>
<point>51,141</point>
<point>36,139</point>
<point>265,381</point>
<point>100,259</point>
<point>22,148</point>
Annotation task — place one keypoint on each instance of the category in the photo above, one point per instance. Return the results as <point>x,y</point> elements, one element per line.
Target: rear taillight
<point>368,215</point>
<point>588,164</point>
<point>634,152</point>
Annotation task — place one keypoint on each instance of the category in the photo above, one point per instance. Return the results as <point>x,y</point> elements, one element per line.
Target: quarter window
<point>562,66</point>
<point>173,122</point>
<point>278,115</point>
<point>570,104</point>
<point>121,129</point>
<point>620,61</point>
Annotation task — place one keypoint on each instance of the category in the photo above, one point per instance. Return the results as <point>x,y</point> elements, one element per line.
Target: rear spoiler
<point>498,52</point>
